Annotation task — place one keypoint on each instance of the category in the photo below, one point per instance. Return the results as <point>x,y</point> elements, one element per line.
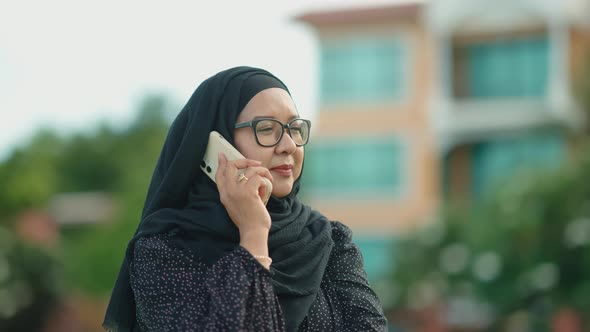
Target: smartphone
<point>210,163</point>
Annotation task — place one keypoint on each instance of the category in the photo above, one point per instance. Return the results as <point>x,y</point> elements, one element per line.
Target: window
<point>371,70</point>
<point>359,166</point>
<point>502,68</point>
<point>495,161</point>
<point>378,255</point>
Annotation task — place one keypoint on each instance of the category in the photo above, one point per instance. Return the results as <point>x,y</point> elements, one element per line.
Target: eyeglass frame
<point>252,124</point>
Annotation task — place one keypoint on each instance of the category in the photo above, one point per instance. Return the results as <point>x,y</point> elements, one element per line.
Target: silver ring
<point>242,177</point>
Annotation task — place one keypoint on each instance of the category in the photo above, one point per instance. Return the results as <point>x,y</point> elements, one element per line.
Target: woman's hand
<point>242,200</point>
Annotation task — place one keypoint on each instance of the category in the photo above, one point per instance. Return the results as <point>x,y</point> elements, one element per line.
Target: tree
<point>525,248</point>
<point>29,176</point>
<point>30,284</point>
<point>119,162</point>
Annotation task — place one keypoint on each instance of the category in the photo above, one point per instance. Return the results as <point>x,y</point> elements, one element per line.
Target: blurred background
<point>450,135</point>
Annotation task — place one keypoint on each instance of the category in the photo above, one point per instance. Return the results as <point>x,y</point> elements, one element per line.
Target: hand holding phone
<point>210,164</point>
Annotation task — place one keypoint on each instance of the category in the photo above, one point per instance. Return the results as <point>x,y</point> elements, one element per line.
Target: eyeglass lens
<point>269,132</point>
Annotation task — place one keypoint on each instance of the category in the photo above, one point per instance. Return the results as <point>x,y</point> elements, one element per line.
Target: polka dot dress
<point>176,291</point>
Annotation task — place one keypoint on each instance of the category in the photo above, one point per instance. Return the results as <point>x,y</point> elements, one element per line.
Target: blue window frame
<point>359,166</point>
<point>508,68</point>
<point>496,161</point>
<point>363,70</point>
<point>378,255</point>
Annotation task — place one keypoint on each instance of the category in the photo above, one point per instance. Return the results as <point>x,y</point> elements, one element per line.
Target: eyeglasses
<point>268,131</point>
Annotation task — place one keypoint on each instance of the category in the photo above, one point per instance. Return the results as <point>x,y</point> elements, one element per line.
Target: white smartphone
<point>210,163</point>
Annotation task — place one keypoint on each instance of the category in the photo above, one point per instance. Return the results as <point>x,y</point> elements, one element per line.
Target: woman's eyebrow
<point>272,117</point>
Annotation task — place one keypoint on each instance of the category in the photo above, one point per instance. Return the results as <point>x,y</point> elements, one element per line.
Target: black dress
<point>175,290</point>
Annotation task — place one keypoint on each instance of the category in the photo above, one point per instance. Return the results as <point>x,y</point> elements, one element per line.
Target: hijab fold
<point>181,199</point>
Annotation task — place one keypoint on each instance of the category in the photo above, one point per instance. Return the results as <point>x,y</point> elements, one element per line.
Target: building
<point>428,101</point>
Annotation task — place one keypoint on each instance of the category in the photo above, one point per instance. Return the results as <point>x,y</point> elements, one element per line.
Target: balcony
<point>501,78</point>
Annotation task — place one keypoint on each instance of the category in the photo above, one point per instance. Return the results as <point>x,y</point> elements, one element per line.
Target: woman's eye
<point>265,130</point>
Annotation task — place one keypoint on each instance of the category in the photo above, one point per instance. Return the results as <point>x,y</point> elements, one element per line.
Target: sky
<point>70,65</point>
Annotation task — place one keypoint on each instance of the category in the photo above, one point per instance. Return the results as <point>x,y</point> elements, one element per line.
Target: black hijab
<point>183,200</point>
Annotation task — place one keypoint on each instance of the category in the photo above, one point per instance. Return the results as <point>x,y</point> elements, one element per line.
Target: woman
<point>213,257</point>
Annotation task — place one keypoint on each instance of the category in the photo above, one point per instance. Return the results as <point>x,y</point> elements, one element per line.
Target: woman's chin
<point>281,191</point>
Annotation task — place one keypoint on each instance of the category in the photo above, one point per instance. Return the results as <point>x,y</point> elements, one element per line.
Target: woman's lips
<point>283,170</point>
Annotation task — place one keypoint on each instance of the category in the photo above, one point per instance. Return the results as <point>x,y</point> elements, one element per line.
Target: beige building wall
<point>407,119</point>
<point>579,53</point>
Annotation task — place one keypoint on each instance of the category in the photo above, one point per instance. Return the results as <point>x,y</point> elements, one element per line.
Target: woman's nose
<point>286,143</point>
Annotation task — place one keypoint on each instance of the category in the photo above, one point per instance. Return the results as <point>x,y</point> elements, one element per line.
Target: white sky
<point>71,64</point>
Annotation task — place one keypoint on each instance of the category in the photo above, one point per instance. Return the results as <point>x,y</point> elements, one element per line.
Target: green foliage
<point>93,254</point>
<point>29,177</point>
<point>29,284</point>
<point>87,163</point>
<point>117,161</point>
<point>530,240</point>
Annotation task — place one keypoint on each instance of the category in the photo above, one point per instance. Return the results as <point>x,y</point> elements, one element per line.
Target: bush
<point>29,284</point>
<point>526,248</point>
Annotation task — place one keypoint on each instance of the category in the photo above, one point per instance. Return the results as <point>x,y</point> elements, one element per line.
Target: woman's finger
<point>258,170</point>
<point>231,168</point>
<point>222,165</point>
<point>243,163</point>
<point>259,181</point>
